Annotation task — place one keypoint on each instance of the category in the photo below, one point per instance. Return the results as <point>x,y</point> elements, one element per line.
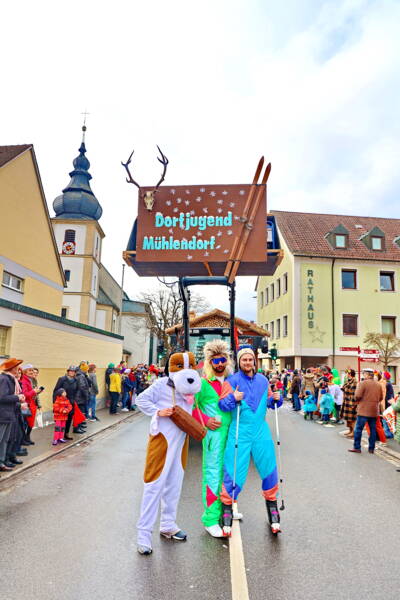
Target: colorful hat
<point>386,374</point>
<point>10,363</point>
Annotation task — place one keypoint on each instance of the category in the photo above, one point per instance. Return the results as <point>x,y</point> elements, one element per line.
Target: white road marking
<point>240,590</point>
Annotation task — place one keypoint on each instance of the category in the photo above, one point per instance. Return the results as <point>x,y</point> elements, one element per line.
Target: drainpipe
<point>333,311</point>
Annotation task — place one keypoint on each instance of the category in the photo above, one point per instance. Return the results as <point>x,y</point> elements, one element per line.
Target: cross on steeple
<point>85,114</point>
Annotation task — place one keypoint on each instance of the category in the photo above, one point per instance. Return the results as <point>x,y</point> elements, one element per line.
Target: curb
<point>48,455</point>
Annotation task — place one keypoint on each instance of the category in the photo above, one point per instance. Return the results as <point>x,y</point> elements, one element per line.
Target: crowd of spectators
<point>320,392</point>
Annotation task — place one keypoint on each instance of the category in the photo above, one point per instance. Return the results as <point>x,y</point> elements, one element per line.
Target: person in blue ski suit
<point>250,389</point>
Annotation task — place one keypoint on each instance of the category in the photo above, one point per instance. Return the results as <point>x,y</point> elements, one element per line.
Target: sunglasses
<point>217,361</point>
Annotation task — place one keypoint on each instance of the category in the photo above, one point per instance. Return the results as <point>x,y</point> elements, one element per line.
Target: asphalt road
<point>68,527</point>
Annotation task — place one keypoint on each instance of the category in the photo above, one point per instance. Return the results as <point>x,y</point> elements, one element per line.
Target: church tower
<point>79,237</point>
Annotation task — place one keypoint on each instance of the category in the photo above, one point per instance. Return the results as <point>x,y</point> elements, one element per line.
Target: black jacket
<point>83,389</point>
<point>70,386</point>
<point>9,401</point>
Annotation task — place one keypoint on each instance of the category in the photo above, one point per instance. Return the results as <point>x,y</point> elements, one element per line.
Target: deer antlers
<point>163,160</point>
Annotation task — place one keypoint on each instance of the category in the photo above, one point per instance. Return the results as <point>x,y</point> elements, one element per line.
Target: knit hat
<point>111,365</point>
<point>60,391</point>
<point>386,374</point>
<point>84,367</point>
<point>72,368</point>
<point>245,350</point>
<point>26,366</point>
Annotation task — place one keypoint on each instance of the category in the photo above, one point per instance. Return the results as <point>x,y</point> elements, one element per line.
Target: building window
<point>350,324</point>
<point>69,235</point>
<point>278,288</point>
<point>386,281</point>
<point>376,243</point>
<point>278,328</point>
<point>272,292</point>
<point>349,279</point>
<point>94,282</point>
<point>64,312</point>
<point>272,330</point>
<point>266,296</point>
<point>262,299</point>
<point>285,284</point>
<point>67,274</point>
<point>3,340</point>
<point>341,240</point>
<point>285,329</point>
<point>13,282</point>
<point>266,327</point>
<point>389,325</point>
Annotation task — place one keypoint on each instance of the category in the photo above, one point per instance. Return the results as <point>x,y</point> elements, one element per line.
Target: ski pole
<point>234,501</point>
<point>278,443</point>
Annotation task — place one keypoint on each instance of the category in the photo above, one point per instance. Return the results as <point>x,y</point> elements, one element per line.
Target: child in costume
<point>250,393</point>
<point>325,405</point>
<point>167,448</point>
<point>309,405</point>
<point>214,387</point>
<point>61,407</point>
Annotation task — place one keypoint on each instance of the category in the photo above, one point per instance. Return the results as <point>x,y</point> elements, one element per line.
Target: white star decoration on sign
<point>199,233</point>
<point>205,209</point>
<point>192,212</point>
<point>202,190</point>
<point>187,191</point>
<point>225,193</point>
<point>226,251</point>
<point>187,202</point>
<point>229,232</point>
<point>168,202</point>
<point>219,233</point>
<point>206,254</point>
<point>171,230</point>
<point>172,191</point>
<point>213,194</point>
<point>218,247</point>
<point>176,209</point>
<point>220,201</point>
<point>178,200</point>
<point>198,199</point>
<point>189,257</point>
<point>231,204</point>
<point>242,192</point>
<point>219,210</point>
<point>236,217</point>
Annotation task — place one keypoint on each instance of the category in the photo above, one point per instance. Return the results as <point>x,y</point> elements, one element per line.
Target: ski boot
<point>273,516</point>
<point>227,519</point>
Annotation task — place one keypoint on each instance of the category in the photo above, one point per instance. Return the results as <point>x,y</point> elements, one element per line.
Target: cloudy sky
<point>312,84</point>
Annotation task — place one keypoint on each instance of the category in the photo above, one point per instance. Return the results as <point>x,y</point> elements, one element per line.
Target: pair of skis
<point>247,220</point>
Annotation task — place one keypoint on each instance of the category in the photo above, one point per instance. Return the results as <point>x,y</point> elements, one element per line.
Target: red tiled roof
<point>7,153</point>
<point>304,234</point>
<point>222,317</point>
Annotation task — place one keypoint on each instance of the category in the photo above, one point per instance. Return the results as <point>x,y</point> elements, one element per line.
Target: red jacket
<point>61,407</point>
<point>30,397</point>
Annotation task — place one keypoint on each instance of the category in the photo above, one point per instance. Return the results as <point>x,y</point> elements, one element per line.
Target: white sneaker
<point>236,515</point>
<point>125,410</point>
<point>215,531</point>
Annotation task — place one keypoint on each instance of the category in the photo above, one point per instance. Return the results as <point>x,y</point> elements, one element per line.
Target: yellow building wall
<point>53,350</point>
<point>26,237</point>
<point>281,306</point>
<point>41,296</point>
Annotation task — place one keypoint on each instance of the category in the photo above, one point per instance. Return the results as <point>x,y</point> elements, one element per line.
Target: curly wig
<point>211,349</point>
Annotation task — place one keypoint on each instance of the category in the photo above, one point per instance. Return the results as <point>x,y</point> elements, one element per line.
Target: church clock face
<point>68,248</point>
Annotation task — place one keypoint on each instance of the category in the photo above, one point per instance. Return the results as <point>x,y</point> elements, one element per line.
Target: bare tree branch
<point>387,344</point>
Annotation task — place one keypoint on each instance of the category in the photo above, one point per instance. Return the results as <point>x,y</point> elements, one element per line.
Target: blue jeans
<point>125,398</point>
<point>92,405</point>
<point>360,424</point>
<point>296,402</point>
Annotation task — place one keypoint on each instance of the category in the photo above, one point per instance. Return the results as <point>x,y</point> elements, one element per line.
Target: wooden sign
<point>191,230</point>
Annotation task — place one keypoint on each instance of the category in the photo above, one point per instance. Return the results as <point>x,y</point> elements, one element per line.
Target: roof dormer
<point>374,239</point>
<point>338,238</point>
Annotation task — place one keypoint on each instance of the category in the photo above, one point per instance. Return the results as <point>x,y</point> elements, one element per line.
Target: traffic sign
<point>366,351</point>
<point>369,359</point>
<point>348,349</point>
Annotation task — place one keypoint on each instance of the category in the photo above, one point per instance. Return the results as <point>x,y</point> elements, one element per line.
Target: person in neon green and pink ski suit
<point>217,366</point>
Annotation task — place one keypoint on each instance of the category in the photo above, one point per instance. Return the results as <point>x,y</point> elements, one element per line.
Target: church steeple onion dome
<point>77,200</point>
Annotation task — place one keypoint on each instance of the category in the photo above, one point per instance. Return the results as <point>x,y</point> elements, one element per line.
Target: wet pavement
<point>68,525</point>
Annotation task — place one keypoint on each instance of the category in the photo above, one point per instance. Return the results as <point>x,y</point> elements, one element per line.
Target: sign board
<point>370,359</point>
<point>366,351</point>
<point>189,226</point>
<point>349,349</point>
